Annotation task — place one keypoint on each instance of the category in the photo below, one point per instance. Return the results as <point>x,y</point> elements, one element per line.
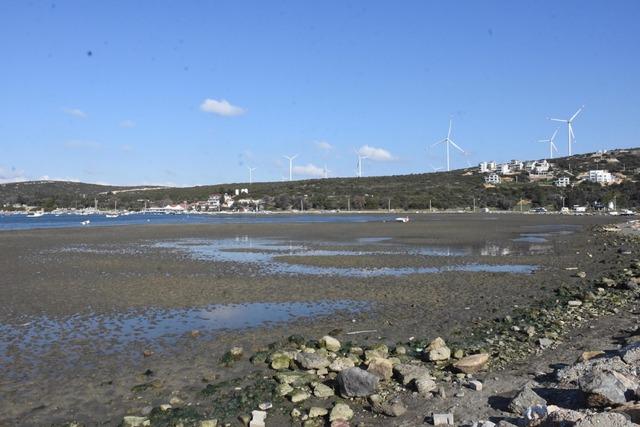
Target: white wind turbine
<point>360,159</point>
<point>325,172</point>
<point>552,146</point>
<point>251,174</point>
<point>290,165</point>
<point>569,123</point>
<point>448,141</point>
<point>435,169</point>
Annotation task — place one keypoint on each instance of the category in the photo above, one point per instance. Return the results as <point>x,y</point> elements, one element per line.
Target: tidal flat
<point>87,313</point>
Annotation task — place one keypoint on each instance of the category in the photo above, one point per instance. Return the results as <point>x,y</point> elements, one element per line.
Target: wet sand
<point>74,276</point>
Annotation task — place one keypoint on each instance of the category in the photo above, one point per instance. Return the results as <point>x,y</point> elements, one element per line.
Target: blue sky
<point>193,92</point>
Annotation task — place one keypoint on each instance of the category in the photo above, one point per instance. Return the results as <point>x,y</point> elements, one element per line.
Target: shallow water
<point>264,254</point>
<point>42,334</point>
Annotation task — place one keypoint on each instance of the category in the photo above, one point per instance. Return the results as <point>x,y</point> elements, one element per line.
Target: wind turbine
<point>569,123</point>
<point>290,165</point>
<point>326,172</point>
<point>552,146</point>
<point>435,169</point>
<point>251,174</point>
<point>360,159</point>
<point>447,141</point>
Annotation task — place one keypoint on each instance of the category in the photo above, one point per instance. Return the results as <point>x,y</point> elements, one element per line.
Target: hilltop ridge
<point>460,189</point>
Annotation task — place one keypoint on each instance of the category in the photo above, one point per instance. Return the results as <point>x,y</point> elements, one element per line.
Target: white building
<point>563,181</point>
<point>541,167</point>
<point>517,165</point>
<point>484,167</point>
<point>505,169</point>
<point>492,165</point>
<point>600,176</point>
<point>493,178</point>
<point>213,202</point>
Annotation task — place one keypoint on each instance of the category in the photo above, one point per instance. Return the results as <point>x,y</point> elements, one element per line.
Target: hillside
<point>443,190</point>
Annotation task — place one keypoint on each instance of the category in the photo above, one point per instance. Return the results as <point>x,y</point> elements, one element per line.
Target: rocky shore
<point>333,380</point>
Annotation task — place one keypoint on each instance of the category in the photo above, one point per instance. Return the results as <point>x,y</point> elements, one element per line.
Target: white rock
<point>443,419</point>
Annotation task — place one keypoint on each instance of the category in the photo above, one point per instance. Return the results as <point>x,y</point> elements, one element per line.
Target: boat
<point>35,214</point>
<point>402,219</point>
<point>112,215</point>
<point>87,222</point>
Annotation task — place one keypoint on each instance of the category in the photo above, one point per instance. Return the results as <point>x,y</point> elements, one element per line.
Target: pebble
<point>475,385</point>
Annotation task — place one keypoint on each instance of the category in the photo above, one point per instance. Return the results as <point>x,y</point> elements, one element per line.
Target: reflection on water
<point>264,254</point>
<point>43,334</point>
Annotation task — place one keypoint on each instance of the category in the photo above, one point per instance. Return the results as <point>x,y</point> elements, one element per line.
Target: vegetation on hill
<point>458,189</point>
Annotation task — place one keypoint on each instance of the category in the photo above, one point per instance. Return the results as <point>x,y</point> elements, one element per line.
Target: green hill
<point>443,190</point>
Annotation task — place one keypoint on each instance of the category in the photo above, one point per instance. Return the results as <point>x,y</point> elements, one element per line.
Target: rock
<point>458,354</point>
<point>525,399</point>
<point>475,385</point>
<point>545,342</point>
<point>393,407</point>
<point>341,363</point>
<point>580,274</point>
<point>574,303</point>
<point>442,393</point>
<point>572,374</point>
<point>295,379</point>
<point>603,388</point>
<point>484,424</point>
<point>400,350</point>
<point>437,350</point>
<point>257,418</point>
<point>322,391</point>
<point>341,411</point>
<point>632,410</point>
<point>531,331</point>
<point>208,423</point>
<point>382,368</point>
<point>132,421</point>
<point>330,343</point>
<point>245,420</point>
<point>358,351</point>
<point>340,423</point>
<point>631,353</point>
<point>283,389</point>
<point>176,401</point>
<point>607,282</point>
<point>313,422</point>
<point>295,413</point>
<point>316,411</point>
<point>560,417</point>
<point>425,386</point>
<point>534,415</point>
<point>472,364</point>
<point>265,406</point>
<point>504,423</point>
<point>602,419</point>
<point>236,353</point>
<point>299,396</point>
<point>165,407</point>
<point>312,361</point>
<point>357,382</point>
<point>588,355</point>
<point>631,285</point>
<point>442,419</point>
<point>148,353</point>
<point>406,372</point>
<point>280,362</point>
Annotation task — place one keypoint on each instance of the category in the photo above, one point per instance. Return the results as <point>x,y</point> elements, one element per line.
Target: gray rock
<point>631,353</point>
<point>406,372</point>
<point>524,399</point>
<point>603,388</point>
<point>545,342</point>
<point>322,391</point>
<point>133,421</point>
<point>603,419</point>
<point>425,386</point>
<point>572,374</point>
<point>312,361</point>
<point>341,411</point>
<point>357,382</point>
<point>341,363</point>
<point>393,407</point>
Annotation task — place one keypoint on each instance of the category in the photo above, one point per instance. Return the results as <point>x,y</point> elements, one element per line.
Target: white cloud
<point>374,153</point>
<point>127,124</point>
<point>11,175</point>
<point>324,145</point>
<point>80,144</point>
<point>221,108</point>
<point>76,112</point>
<point>308,170</point>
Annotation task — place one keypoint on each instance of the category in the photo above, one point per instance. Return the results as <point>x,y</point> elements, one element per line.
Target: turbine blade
<point>576,114</point>
<point>439,142</point>
<point>554,135</point>
<point>450,124</point>
<point>559,120</point>
<point>456,145</point>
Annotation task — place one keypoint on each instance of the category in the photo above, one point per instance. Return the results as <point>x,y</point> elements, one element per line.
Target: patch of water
<point>42,334</point>
<point>227,250</point>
